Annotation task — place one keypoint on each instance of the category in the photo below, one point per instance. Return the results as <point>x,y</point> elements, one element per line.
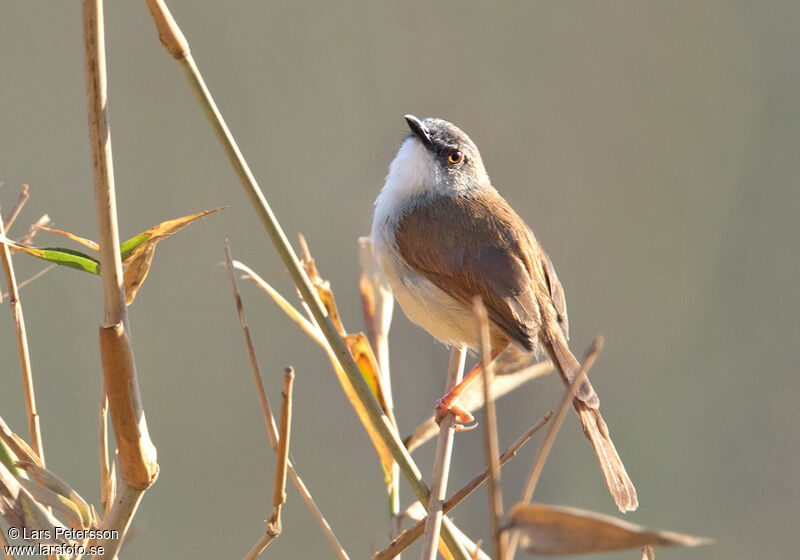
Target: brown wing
<point>466,250</point>
<point>556,293</point>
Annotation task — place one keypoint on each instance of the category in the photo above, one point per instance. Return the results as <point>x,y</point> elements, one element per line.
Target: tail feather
<point>594,427</point>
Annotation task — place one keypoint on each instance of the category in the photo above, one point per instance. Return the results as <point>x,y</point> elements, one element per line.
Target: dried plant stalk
<point>408,536</point>
<point>547,444</point>
<point>279,488</point>
<point>272,431</point>
<point>177,46</point>
<point>137,455</point>
<point>490,430</point>
<point>441,463</point>
<point>34,428</point>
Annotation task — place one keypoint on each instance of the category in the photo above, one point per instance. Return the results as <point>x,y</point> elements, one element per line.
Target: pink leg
<point>448,403</point>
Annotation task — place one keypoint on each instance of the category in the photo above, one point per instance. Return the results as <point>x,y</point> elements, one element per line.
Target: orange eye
<point>455,157</point>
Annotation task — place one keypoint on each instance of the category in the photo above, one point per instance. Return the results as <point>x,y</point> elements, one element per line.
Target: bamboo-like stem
<point>137,455</point>
<point>536,470</point>
<point>408,536</point>
<point>279,489</point>
<point>490,430</point>
<point>269,420</point>
<point>382,424</point>
<point>15,304</point>
<point>441,462</point>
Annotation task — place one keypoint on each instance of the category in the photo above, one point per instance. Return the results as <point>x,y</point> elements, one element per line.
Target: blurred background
<point>653,149</point>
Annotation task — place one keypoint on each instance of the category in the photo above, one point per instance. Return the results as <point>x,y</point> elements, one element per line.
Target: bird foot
<point>461,415</point>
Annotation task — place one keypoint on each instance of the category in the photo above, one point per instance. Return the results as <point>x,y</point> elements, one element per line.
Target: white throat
<point>412,173</point>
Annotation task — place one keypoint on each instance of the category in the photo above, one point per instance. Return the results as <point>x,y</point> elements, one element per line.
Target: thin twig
<point>137,455</point>
<point>547,444</point>
<point>279,489</point>
<point>33,229</point>
<point>472,399</point>
<point>307,326</point>
<point>441,463</point>
<point>22,349</point>
<point>490,430</point>
<point>36,276</point>
<point>17,208</point>
<point>408,536</point>
<point>269,420</point>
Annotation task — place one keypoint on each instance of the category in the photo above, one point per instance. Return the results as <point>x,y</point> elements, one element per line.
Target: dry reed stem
<point>536,471</point>
<point>15,304</point>
<point>490,430</point>
<point>279,489</point>
<point>22,198</point>
<point>379,420</point>
<point>269,420</point>
<point>441,463</point>
<point>137,455</point>
<point>408,536</point>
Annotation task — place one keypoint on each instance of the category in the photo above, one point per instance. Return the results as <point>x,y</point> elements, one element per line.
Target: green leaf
<point>127,248</point>
<point>58,255</point>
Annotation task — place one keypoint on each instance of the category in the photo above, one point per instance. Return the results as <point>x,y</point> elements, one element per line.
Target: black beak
<point>417,128</point>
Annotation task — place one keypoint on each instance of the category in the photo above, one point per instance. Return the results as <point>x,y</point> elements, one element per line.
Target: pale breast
<point>445,318</point>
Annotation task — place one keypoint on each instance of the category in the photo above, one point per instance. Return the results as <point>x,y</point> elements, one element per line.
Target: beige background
<point>653,148</point>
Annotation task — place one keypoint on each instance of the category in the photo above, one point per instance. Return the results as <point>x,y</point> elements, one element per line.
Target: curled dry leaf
<point>64,494</point>
<point>19,509</point>
<point>136,252</point>
<point>17,446</point>
<point>554,530</point>
<point>361,351</point>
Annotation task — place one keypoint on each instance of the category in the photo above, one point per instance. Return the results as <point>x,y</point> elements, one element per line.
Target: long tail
<point>586,405</point>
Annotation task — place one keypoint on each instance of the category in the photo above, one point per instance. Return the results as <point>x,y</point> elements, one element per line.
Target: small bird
<point>442,235</point>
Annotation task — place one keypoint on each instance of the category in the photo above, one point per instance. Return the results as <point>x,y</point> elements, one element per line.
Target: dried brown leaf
<point>556,530</point>
<point>83,241</point>
<point>137,264</point>
<point>18,445</point>
<point>361,351</point>
<point>53,483</point>
<point>20,509</point>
